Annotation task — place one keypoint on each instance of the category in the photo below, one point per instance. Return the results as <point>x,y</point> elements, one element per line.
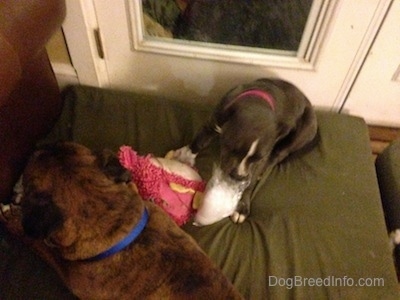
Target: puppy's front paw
<point>185,155</point>
<point>241,213</point>
<point>238,218</point>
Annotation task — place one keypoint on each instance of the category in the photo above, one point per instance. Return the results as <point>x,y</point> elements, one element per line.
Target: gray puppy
<point>259,124</point>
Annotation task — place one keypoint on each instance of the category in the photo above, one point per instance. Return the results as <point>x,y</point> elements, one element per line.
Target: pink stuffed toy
<point>172,185</point>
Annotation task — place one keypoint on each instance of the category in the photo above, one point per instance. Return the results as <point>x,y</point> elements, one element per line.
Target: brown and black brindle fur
<point>77,204</point>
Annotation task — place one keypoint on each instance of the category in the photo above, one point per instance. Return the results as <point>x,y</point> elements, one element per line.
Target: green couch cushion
<point>317,215</point>
<point>388,170</point>
<point>315,220</point>
<point>106,118</point>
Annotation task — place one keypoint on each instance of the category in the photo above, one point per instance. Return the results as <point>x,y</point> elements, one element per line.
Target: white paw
<point>395,238</point>
<point>4,208</point>
<point>185,155</point>
<point>238,218</point>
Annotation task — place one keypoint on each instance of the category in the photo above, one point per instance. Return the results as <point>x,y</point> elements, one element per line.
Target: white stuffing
<point>221,197</point>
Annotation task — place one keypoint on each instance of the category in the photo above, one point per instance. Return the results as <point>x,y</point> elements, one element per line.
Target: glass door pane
<point>275,26</point>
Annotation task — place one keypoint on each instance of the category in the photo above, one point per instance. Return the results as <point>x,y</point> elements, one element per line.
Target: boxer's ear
<point>109,163</point>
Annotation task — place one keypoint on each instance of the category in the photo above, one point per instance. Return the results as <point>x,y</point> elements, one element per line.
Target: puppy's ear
<point>112,168</point>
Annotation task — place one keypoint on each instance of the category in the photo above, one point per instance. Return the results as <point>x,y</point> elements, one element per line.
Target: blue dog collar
<point>130,238</point>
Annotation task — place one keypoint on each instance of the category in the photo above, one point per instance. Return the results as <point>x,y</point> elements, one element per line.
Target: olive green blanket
<point>316,229</point>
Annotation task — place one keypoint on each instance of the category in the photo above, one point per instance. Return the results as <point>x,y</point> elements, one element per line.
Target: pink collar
<point>260,94</point>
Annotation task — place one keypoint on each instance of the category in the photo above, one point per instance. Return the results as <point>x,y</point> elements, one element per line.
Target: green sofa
<point>388,171</point>
<point>316,229</point>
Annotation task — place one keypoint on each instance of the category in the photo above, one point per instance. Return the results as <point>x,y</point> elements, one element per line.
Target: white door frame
<point>80,29</point>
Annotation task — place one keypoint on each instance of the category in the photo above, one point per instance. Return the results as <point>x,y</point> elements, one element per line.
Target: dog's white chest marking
<point>242,168</point>
<point>218,129</point>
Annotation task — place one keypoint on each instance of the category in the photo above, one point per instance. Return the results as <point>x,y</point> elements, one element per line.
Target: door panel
<point>376,91</point>
<point>325,79</point>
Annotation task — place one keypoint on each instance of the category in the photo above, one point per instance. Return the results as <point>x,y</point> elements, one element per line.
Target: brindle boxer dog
<point>105,241</point>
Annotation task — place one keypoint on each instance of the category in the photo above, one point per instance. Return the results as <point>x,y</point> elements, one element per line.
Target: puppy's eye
<point>232,151</point>
<point>237,152</point>
<point>254,158</point>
